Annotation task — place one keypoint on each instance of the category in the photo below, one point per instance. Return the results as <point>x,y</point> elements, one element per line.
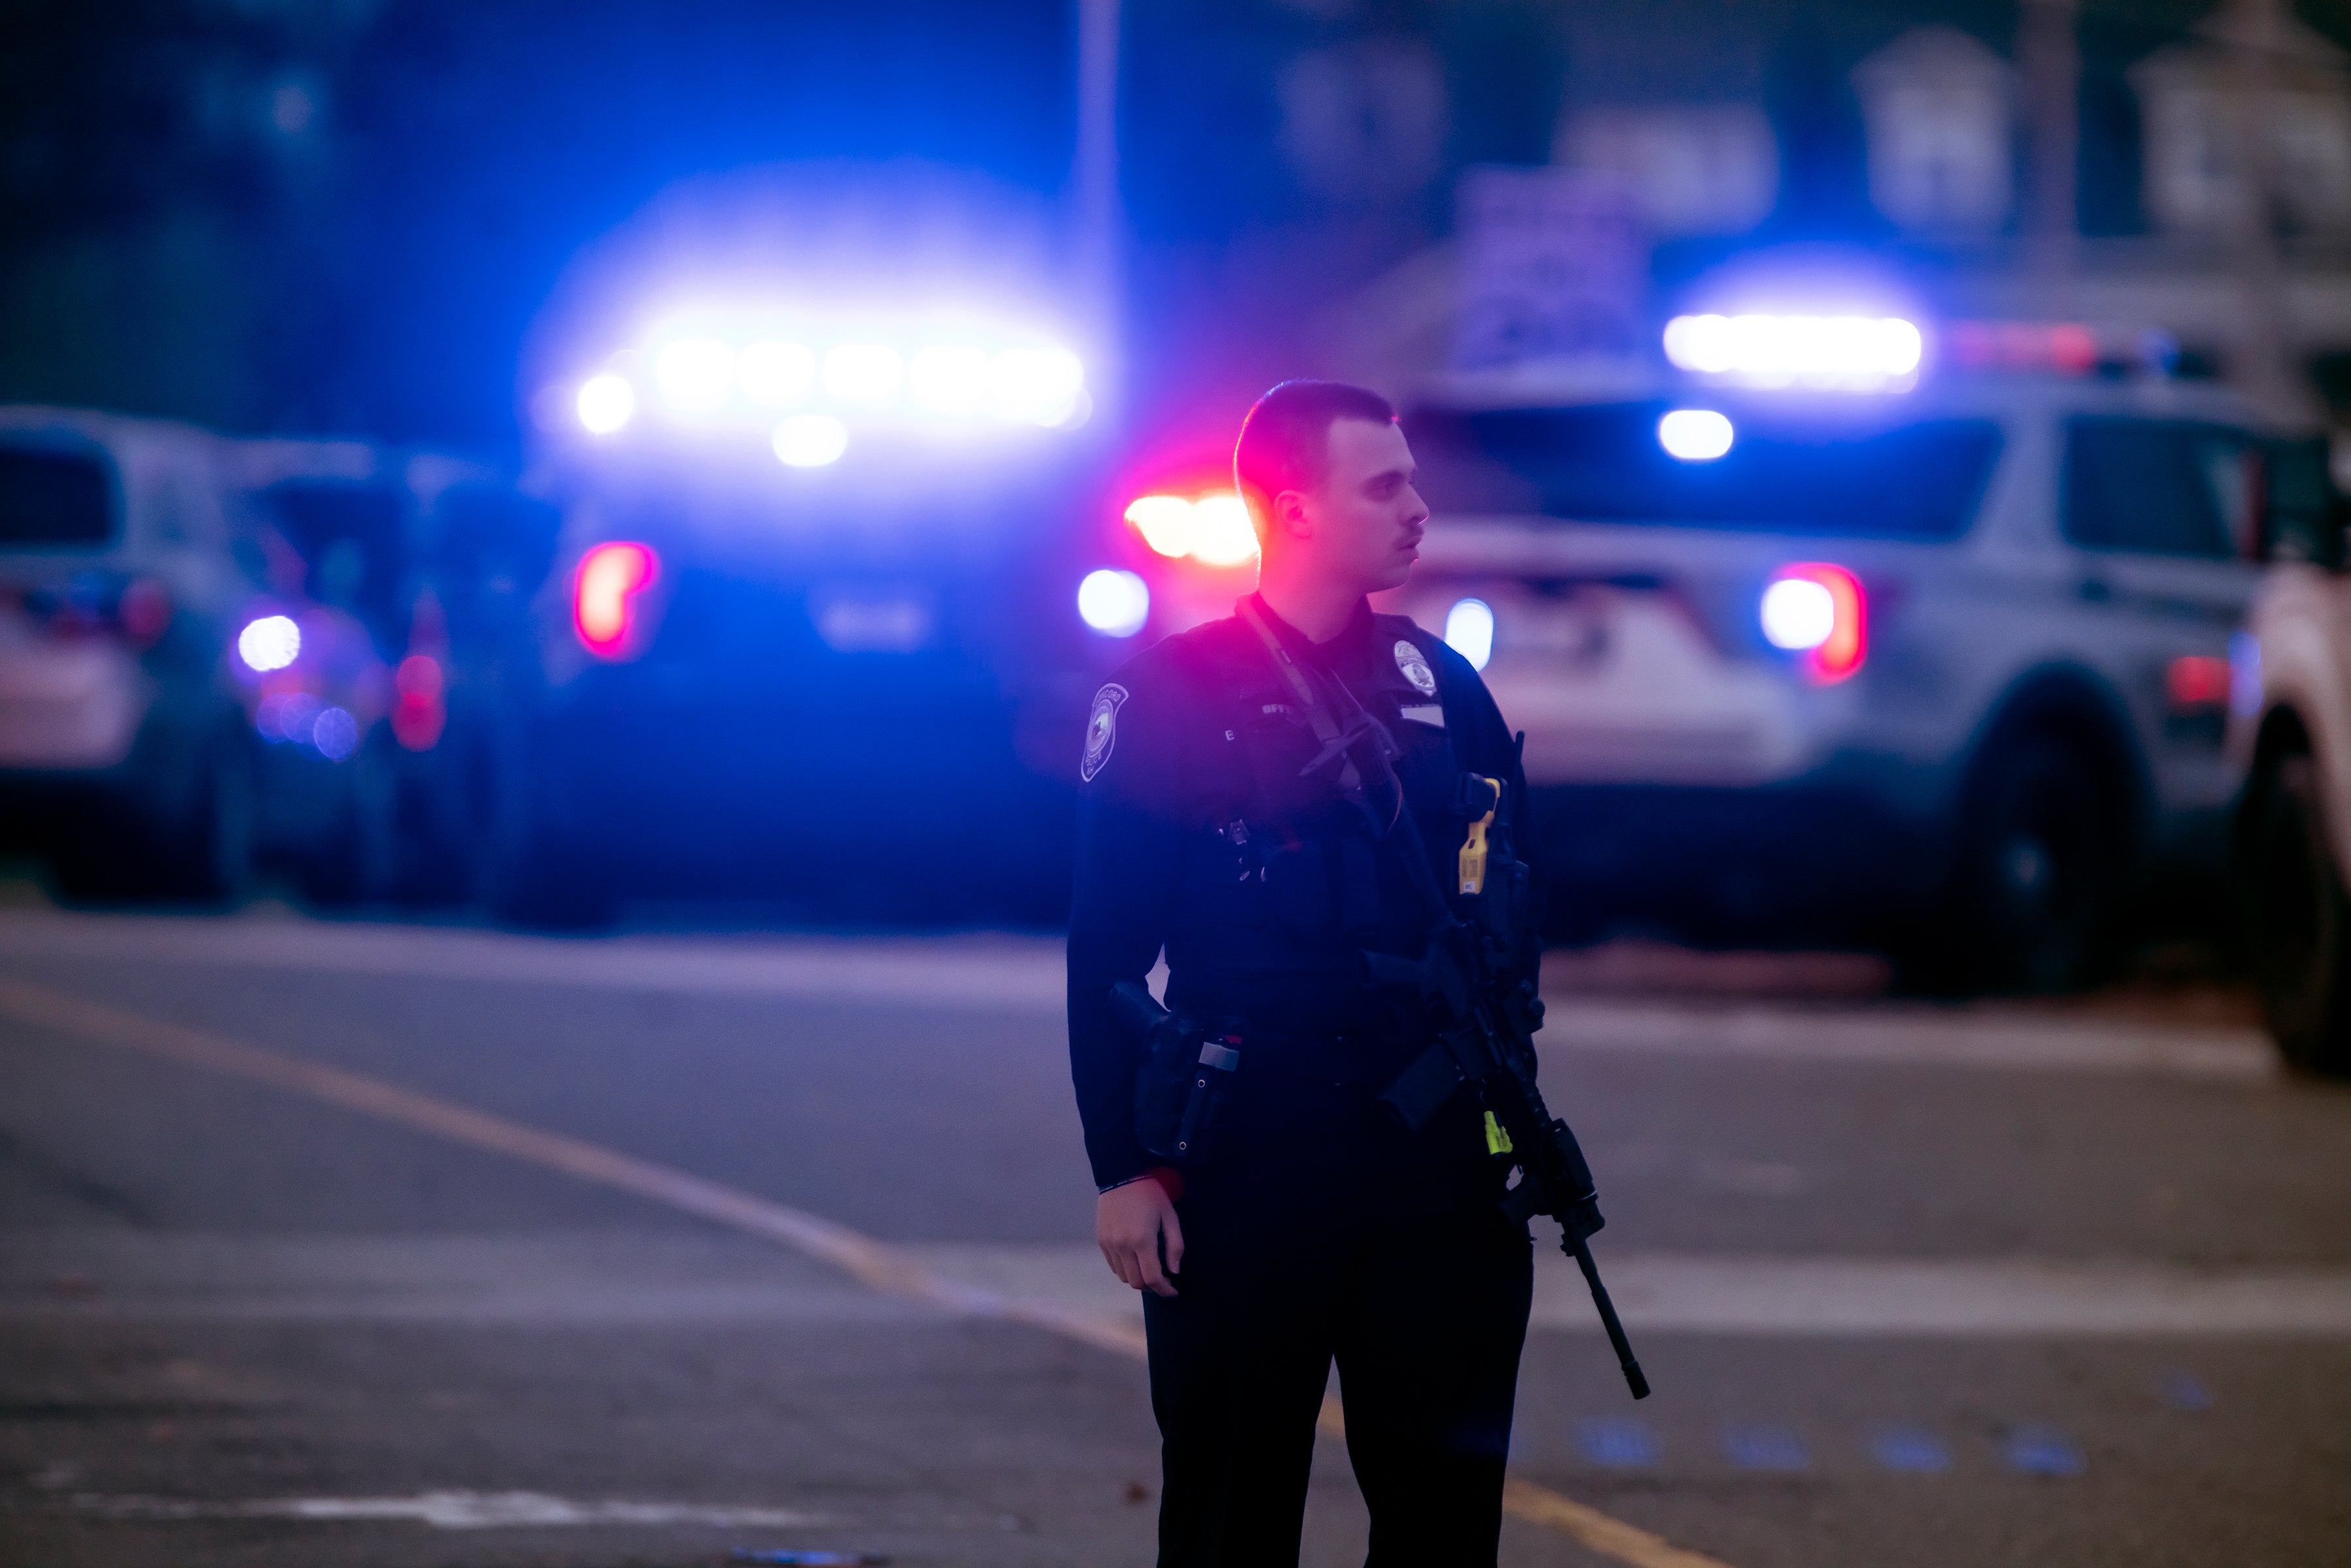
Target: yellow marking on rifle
<point>1473,850</point>
<point>1497,1141</point>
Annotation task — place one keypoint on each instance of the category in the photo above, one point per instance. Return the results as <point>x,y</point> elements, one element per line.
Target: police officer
<point>1317,1229</point>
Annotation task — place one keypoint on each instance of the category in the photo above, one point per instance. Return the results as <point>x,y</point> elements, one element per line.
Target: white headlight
<point>605,403</point>
<point>1114,603</point>
<point>1470,631</point>
<point>1695,435</point>
<point>810,440</point>
<point>271,642</point>
<point>1798,613</point>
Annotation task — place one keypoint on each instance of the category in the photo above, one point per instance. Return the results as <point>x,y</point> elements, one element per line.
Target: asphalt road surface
<point>348,1244</point>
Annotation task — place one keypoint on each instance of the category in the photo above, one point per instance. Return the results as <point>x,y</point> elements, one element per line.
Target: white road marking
<point>1024,975</point>
<point>2004,1037</point>
<point>461,1511</point>
<point>990,973</point>
<point>882,1267</point>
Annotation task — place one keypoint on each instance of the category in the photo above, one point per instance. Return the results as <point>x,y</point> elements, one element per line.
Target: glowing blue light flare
<point>1470,631</point>
<point>1038,386</point>
<point>1856,354</point>
<point>864,373</point>
<point>270,642</point>
<point>951,379</point>
<point>1695,435</point>
<point>775,375</point>
<point>696,374</point>
<point>1114,603</point>
<point>810,440</point>
<point>605,403</point>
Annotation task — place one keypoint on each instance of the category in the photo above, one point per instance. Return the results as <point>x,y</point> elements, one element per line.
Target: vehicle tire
<point>355,864</point>
<point>444,812</point>
<point>530,876</point>
<point>212,856</point>
<point>2299,916</point>
<point>192,844</point>
<point>2041,855</point>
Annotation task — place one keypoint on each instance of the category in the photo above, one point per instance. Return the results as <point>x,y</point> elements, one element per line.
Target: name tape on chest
<point>1101,730</point>
<point>1415,665</point>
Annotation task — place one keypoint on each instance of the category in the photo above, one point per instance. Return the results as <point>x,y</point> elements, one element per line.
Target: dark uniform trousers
<point>1293,1259</point>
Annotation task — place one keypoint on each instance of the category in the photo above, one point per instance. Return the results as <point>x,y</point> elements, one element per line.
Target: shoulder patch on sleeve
<point>1101,730</point>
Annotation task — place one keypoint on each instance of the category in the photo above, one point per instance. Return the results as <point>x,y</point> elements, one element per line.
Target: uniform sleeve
<point>1129,849</point>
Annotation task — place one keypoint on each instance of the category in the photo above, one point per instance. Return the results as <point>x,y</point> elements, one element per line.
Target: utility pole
<point>2049,62</point>
<point>1100,218</point>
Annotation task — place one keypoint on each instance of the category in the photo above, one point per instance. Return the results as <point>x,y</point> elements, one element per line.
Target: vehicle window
<point>1783,472</point>
<point>2303,523</point>
<point>351,538</point>
<point>2160,487</point>
<point>54,498</point>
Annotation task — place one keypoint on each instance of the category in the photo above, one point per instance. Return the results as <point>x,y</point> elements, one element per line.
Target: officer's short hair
<point>1285,442</point>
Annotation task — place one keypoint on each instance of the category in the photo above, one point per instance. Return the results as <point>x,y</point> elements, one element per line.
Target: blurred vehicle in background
<point>1822,638</point>
<point>218,655</point>
<point>380,740</point>
<point>2290,728</point>
<point>818,581</point>
<point>125,753</point>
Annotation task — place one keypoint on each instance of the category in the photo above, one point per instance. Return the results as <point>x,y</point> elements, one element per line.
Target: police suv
<point>814,569</point>
<point>1830,636</point>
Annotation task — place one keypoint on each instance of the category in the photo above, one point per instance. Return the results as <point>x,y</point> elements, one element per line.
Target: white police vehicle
<point>1832,636</point>
<point>2290,725</point>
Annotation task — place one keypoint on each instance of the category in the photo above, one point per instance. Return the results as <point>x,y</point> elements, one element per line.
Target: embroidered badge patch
<point>1416,668</point>
<point>1101,730</point>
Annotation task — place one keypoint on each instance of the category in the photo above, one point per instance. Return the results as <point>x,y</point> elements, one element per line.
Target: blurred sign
<point>1554,266</point>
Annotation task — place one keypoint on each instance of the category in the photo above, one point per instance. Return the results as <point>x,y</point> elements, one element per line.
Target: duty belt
<point>1335,1059</point>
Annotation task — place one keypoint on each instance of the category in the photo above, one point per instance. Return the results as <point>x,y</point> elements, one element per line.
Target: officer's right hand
<point>1129,1222</point>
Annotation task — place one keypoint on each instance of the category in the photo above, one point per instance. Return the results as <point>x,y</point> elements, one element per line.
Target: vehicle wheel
<point>194,845</point>
<point>529,877</point>
<point>2299,916</point>
<point>356,862</point>
<point>2041,856</point>
<point>443,814</point>
<point>211,858</point>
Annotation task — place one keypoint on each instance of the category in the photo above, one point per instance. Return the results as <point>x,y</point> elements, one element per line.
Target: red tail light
<point>604,595</point>
<point>420,709</point>
<point>1821,611</point>
<point>144,612</point>
<point>2196,682</point>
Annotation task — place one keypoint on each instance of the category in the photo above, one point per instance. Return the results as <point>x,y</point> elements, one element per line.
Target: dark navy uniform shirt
<point>1197,834</point>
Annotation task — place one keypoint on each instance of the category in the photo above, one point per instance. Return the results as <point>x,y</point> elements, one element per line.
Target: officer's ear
<point>1290,518</point>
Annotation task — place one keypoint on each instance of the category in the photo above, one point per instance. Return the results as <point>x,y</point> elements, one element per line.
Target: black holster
<point>1183,1085</point>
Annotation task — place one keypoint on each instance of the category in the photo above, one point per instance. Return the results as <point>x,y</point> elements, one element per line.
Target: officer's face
<point>1365,519</point>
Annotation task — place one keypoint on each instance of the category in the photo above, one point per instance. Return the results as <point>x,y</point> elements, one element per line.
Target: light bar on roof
<point>1845,353</point>
<point>752,370</point>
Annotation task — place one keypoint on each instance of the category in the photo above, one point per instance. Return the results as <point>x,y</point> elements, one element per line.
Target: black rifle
<point>1462,991</point>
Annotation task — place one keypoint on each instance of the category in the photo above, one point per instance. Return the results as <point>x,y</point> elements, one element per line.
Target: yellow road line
<point>876,1264</point>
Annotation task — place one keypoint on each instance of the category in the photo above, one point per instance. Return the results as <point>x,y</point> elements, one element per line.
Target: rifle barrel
<point>1580,1250</point>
